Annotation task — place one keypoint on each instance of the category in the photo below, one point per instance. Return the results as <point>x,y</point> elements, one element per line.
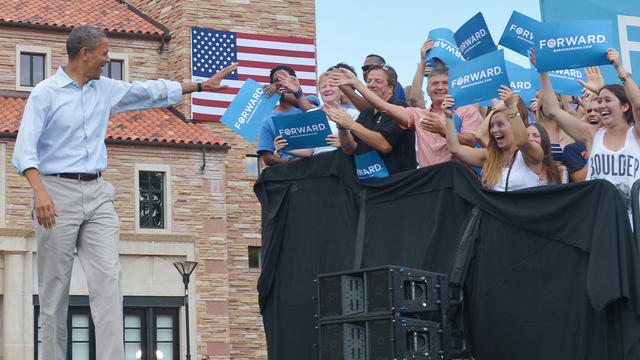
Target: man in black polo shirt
<point>374,130</point>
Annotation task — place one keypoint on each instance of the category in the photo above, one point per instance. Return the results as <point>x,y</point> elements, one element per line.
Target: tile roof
<point>153,125</point>
<point>109,15</point>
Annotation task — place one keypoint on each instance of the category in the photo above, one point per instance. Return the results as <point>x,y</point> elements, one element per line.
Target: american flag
<point>212,50</point>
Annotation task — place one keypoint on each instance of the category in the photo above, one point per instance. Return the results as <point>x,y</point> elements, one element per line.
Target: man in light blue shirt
<point>60,149</point>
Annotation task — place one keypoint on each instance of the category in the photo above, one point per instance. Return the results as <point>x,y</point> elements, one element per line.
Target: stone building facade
<point>210,212</point>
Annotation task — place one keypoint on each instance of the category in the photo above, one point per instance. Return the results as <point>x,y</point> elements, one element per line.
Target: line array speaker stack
<point>384,313</point>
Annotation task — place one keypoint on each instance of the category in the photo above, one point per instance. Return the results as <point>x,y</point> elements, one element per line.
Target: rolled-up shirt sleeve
<point>140,95</point>
<point>413,117</point>
<point>25,153</point>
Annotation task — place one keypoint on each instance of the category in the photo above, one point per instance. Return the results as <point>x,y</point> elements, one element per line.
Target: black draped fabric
<point>549,272</point>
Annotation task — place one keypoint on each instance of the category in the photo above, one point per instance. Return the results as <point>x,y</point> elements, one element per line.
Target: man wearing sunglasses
<point>398,91</point>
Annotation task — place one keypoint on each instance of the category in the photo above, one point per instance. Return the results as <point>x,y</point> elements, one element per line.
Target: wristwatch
<point>511,116</point>
<point>199,85</point>
<point>625,77</point>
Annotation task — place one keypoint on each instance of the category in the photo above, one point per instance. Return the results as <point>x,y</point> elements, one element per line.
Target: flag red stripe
<point>295,40</point>
<point>265,79</point>
<point>267,65</point>
<point>277,52</point>
<point>210,103</point>
<point>206,117</point>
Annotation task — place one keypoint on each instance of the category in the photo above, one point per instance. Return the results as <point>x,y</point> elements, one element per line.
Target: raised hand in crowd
<point>614,58</point>
<point>289,82</point>
<point>595,82</point>
<point>293,91</point>
<point>343,77</point>
<point>630,86</point>
<point>578,130</point>
<point>428,45</point>
<point>498,105</point>
<point>507,97</point>
<point>290,91</point>
<point>416,97</point>
<point>282,83</point>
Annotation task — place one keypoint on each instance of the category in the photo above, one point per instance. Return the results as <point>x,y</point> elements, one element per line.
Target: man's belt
<point>79,176</point>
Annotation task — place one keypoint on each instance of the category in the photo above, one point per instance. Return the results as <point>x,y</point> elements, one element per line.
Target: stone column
<point>13,307</point>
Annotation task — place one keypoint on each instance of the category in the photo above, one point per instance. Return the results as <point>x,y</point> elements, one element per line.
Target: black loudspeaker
<point>381,291</point>
<point>343,341</point>
<point>331,290</point>
<point>341,295</point>
<point>385,313</point>
<point>381,338</point>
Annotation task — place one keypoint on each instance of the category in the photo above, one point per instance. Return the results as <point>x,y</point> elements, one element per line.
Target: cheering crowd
<point>510,146</point>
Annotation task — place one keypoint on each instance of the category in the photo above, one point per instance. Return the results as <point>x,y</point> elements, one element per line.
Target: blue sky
<point>349,30</point>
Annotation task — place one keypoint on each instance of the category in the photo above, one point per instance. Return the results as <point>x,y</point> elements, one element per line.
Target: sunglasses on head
<point>384,67</point>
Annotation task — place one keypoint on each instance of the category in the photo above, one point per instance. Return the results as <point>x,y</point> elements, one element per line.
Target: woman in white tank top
<point>510,161</point>
<point>614,150</point>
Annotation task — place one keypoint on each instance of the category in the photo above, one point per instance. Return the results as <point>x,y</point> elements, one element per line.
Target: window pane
<point>165,351</point>
<point>155,180</point>
<point>252,165</point>
<point>116,70</point>
<point>132,335</point>
<point>132,351</point>
<point>132,321</point>
<point>105,70</point>
<point>25,70</point>
<point>254,257</point>
<point>80,320</point>
<point>80,351</point>
<point>164,321</point>
<point>165,335</point>
<point>39,351</point>
<point>79,335</point>
<point>38,69</point>
<point>144,179</point>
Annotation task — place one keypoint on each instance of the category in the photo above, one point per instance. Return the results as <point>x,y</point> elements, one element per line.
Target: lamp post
<point>185,268</point>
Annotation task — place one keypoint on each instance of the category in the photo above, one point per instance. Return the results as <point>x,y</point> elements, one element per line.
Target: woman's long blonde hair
<point>492,168</point>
